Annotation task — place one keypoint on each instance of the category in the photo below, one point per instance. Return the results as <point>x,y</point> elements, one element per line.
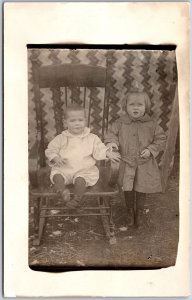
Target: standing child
<point>139,139</point>
<point>73,155</point>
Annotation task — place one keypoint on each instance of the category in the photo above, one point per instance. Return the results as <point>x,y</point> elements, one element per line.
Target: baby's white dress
<point>80,152</point>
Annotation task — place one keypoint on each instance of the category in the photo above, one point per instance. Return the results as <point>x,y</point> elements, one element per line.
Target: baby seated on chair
<point>73,154</point>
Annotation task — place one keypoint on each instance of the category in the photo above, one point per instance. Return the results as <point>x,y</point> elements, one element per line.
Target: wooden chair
<point>45,199</point>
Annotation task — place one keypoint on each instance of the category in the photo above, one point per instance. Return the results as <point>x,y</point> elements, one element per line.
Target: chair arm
<point>40,179</point>
<point>113,172</point>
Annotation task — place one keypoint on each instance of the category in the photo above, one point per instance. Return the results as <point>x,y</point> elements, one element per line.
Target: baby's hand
<point>145,153</point>
<point>112,145</point>
<point>113,156</point>
<point>59,161</point>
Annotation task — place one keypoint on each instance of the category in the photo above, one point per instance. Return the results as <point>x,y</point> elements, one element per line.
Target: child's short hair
<point>73,107</point>
<point>146,98</point>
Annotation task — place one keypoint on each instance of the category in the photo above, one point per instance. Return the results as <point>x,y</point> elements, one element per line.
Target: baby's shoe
<point>66,195</point>
<point>75,202</point>
<point>130,217</point>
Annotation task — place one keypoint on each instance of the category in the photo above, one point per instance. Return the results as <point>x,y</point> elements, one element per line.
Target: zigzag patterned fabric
<point>152,71</point>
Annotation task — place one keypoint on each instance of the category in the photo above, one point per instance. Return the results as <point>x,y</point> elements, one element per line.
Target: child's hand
<point>59,161</point>
<point>112,145</point>
<point>113,156</point>
<point>145,153</point>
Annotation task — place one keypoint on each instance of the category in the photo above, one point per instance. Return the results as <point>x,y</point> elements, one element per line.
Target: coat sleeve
<point>99,149</point>
<point>112,134</point>
<point>159,142</point>
<point>53,148</point>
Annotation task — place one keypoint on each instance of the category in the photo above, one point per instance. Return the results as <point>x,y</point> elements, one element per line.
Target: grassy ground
<point>81,242</point>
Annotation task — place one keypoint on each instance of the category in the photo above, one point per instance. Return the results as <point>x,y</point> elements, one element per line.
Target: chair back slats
<point>97,111</point>
<point>89,103</point>
<point>84,96</point>
<point>70,83</point>
<point>40,127</point>
<point>65,95</point>
<point>71,75</point>
<point>107,97</point>
<point>75,95</point>
<point>57,104</point>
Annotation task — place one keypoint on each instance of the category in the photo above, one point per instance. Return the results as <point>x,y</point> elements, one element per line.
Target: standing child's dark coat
<point>132,137</point>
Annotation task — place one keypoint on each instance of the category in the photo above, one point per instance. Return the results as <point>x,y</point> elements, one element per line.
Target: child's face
<point>136,105</point>
<point>76,122</point>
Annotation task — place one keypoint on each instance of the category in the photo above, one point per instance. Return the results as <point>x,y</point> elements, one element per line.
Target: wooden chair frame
<point>105,191</point>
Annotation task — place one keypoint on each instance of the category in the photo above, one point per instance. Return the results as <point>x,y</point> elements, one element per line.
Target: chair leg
<point>107,221</point>
<point>36,213</point>
<point>111,223</point>
<point>41,222</point>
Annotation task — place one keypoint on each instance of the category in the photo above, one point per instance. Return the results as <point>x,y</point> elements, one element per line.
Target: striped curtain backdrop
<point>152,71</point>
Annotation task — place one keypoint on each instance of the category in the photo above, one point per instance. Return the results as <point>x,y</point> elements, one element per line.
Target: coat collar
<point>127,120</point>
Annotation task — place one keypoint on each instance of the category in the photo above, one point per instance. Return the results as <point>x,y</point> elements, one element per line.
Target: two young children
<point>73,154</point>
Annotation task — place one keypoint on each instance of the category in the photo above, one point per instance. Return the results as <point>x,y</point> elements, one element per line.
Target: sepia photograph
<point>96,149</point>
<point>103,158</point>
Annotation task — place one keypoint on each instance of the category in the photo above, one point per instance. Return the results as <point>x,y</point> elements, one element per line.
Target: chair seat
<point>102,188</point>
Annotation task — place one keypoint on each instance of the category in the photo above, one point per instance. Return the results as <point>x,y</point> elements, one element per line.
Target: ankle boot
<point>129,201</point>
<point>140,217</point>
<point>130,217</point>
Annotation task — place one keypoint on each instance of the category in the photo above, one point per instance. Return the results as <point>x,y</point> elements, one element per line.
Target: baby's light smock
<point>80,153</point>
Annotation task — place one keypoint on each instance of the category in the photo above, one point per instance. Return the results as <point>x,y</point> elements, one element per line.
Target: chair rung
<point>73,215</point>
<point>48,194</point>
<point>66,208</point>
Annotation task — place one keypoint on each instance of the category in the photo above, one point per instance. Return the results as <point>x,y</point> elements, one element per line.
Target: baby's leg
<point>79,190</point>
<point>82,179</point>
<point>79,186</point>
<point>60,187</point>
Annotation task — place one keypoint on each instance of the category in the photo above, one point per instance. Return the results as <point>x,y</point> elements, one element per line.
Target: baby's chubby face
<point>136,105</point>
<point>76,122</point>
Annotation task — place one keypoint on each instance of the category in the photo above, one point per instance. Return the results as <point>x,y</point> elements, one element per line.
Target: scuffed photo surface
<point>81,242</point>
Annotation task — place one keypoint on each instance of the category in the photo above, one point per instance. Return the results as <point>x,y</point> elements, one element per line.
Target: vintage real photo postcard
<point>99,127</point>
<point>101,87</point>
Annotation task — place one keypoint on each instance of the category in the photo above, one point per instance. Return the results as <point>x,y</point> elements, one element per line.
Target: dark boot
<point>75,202</point>
<point>79,190</point>
<point>129,201</point>
<point>130,217</point>
<point>60,187</point>
<point>140,217</point>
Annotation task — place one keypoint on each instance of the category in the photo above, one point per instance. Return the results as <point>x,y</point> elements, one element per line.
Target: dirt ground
<point>80,242</point>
